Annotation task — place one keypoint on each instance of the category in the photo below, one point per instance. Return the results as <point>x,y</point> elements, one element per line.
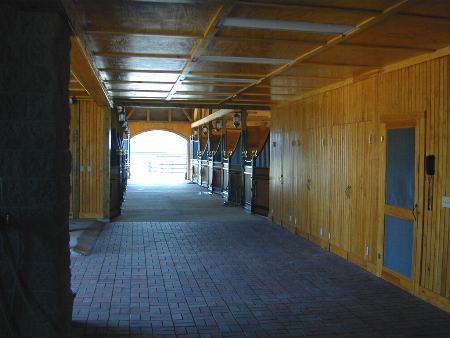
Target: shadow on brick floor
<point>234,279</point>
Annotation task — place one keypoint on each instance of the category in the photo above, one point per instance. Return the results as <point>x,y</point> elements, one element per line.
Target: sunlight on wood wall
<point>324,144</point>
<point>88,122</point>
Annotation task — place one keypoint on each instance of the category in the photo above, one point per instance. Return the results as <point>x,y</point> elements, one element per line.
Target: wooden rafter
<point>147,32</point>
<point>186,114</point>
<point>372,21</point>
<point>202,43</point>
<point>142,55</point>
<point>130,113</point>
<point>216,115</point>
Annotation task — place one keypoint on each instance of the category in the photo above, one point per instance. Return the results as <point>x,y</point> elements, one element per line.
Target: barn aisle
<point>179,264</point>
<point>178,202</point>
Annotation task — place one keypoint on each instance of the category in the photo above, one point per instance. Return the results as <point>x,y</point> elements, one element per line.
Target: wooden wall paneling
<point>83,157</point>
<point>324,179</point>
<point>342,194</point>
<point>446,263</point>
<point>307,167</point>
<point>301,178</point>
<point>313,184</point>
<point>288,174</point>
<point>276,174</point>
<point>91,160</point>
<point>370,191</point>
<point>75,154</point>
<point>353,113</point>
<point>298,178</point>
<point>284,177</point>
<point>106,169</point>
<point>360,178</point>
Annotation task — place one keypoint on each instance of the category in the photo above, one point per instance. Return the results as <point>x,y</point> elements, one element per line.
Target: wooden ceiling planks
<point>86,76</point>
<point>143,50</point>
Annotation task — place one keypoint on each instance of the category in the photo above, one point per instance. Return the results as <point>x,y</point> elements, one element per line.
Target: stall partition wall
<point>333,156</point>
<point>90,171</point>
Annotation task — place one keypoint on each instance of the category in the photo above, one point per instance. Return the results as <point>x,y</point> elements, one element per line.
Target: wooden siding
<point>325,180</point>
<point>92,139</point>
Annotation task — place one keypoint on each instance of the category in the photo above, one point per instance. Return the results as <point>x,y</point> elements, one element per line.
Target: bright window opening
<point>158,157</point>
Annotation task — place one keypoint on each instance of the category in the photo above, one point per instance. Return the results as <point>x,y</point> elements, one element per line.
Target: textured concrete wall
<point>34,173</point>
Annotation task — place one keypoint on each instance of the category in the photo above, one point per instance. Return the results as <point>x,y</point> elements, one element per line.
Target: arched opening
<point>158,156</point>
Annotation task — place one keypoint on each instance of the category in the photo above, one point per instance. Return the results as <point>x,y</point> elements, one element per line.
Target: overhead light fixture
<point>236,119</point>
<point>195,79</point>
<point>121,112</point>
<point>241,59</point>
<point>218,125</point>
<point>294,26</point>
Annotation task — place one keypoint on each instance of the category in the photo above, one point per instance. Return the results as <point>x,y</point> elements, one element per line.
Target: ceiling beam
<point>137,31</point>
<point>285,25</point>
<point>127,70</point>
<point>203,43</point>
<point>306,7</point>
<point>186,104</point>
<point>84,72</point>
<point>141,55</point>
<point>363,26</point>
<point>186,114</point>
<point>130,113</point>
<point>214,116</point>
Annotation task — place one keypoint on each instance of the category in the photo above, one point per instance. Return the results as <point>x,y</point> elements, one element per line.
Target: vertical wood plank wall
<point>323,144</point>
<point>91,160</point>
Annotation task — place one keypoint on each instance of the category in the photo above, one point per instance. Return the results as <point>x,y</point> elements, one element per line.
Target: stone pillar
<point>35,298</point>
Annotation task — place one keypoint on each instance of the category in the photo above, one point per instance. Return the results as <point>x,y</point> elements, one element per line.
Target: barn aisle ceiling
<point>246,54</point>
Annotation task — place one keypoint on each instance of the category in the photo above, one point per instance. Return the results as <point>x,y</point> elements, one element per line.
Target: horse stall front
<point>215,165</point>
<point>194,150</point>
<point>256,171</point>
<point>203,158</point>
<point>232,167</point>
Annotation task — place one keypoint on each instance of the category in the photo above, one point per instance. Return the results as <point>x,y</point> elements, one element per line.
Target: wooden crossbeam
<point>203,43</point>
<point>130,113</point>
<point>186,114</point>
<point>138,31</point>
<point>214,116</point>
<point>126,102</point>
<point>141,55</point>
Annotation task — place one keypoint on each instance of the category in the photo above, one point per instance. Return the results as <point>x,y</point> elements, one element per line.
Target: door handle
<point>414,212</point>
<point>348,191</point>
<point>308,184</point>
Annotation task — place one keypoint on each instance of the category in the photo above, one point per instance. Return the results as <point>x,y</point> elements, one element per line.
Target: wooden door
<point>402,202</point>
<point>363,224</point>
<point>313,186</point>
<point>303,186</point>
<point>276,177</point>
<point>91,138</point>
<point>342,190</point>
<point>287,181</point>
